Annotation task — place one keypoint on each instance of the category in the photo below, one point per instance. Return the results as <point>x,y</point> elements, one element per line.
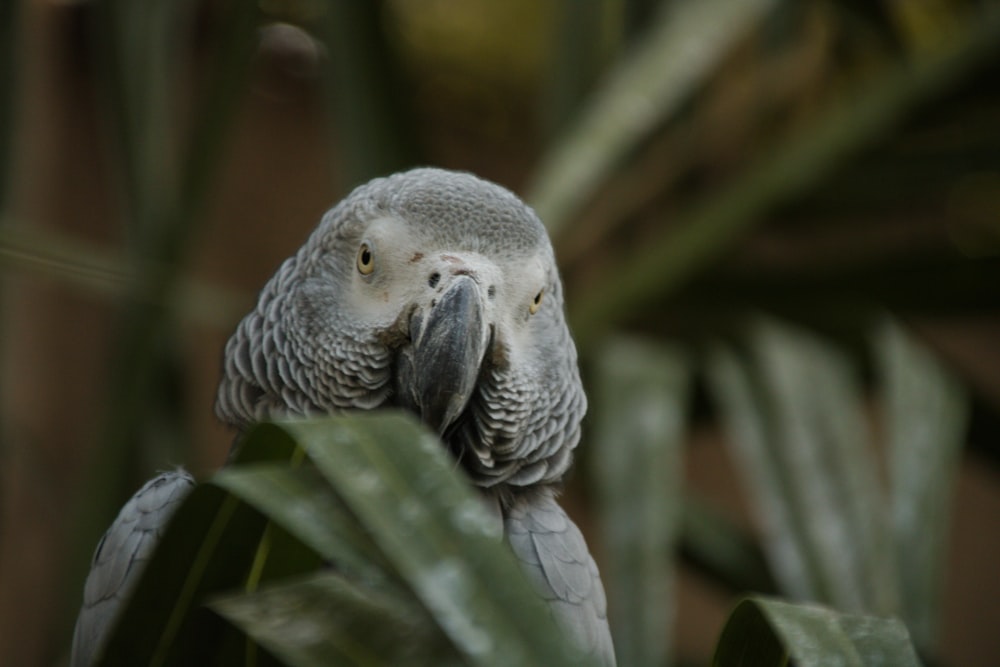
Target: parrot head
<point>431,290</point>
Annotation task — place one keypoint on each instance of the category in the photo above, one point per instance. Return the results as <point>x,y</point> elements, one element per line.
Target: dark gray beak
<point>449,344</point>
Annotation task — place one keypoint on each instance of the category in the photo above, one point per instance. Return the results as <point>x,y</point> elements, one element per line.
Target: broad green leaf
<point>639,418</point>
<point>302,502</point>
<point>403,486</point>
<point>926,414</point>
<point>793,413</point>
<point>266,443</point>
<point>762,632</point>
<point>326,619</point>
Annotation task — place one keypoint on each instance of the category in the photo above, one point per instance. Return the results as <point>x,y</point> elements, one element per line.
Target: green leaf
<point>266,443</point>
<point>402,484</point>
<point>302,502</point>
<point>793,413</point>
<point>326,619</point>
<point>639,420</point>
<point>762,632</point>
<point>926,415</point>
<point>796,422</point>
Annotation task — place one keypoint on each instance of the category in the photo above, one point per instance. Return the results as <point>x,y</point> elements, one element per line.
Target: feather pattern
<point>120,556</point>
<point>553,553</point>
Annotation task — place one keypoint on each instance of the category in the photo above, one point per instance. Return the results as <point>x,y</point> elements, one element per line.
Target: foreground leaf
<point>762,632</point>
<point>324,619</point>
<point>402,484</point>
<point>302,502</point>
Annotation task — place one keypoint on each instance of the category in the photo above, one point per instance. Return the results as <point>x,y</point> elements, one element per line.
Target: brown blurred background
<point>903,214</point>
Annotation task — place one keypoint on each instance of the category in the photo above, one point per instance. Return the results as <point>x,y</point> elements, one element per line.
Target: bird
<point>437,292</point>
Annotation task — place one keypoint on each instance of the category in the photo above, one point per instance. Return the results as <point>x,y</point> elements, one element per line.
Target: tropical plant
<point>697,163</point>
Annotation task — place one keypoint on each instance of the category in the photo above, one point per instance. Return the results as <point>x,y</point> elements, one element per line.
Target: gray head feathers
<point>356,319</point>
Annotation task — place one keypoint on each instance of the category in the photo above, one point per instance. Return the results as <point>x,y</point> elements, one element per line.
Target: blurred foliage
<point>771,114</point>
<point>640,408</point>
<point>823,161</point>
<point>796,415</point>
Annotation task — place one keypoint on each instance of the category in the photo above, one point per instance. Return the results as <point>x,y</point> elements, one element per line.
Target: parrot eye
<point>366,260</point>
<point>536,303</point>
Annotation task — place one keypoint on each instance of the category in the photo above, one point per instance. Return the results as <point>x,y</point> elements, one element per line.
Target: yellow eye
<point>366,259</point>
<point>536,303</point>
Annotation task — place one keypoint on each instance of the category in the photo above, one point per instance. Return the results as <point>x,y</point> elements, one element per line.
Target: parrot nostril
<point>491,291</point>
<point>433,280</point>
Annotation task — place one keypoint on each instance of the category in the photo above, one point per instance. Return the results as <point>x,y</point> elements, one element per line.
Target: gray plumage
<point>120,556</point>
<point>436,291</point>
<point>553,553</point>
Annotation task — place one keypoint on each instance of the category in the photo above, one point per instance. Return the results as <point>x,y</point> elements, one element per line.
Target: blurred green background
<point>750,189</point>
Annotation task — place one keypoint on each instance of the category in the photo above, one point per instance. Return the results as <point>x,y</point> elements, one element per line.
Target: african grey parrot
<point>431,290</point>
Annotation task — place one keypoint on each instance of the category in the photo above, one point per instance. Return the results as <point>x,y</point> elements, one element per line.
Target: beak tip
<point>441,414</point>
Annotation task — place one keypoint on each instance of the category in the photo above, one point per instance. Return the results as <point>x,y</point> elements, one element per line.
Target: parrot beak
<point>449,343</point>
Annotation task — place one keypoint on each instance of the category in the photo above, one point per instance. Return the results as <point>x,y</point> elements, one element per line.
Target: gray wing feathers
<point>120,556</point>
<point>555,557</point>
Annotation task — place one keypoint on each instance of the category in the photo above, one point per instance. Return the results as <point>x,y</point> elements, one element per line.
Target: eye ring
<point>536,303</point>
<point>366,259</point>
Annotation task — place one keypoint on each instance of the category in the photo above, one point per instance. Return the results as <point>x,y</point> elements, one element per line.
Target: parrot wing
<point>121,556</point>
<point>553,553</point>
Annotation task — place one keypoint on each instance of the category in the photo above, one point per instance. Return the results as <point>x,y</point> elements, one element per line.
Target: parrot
<point>437,292</point>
